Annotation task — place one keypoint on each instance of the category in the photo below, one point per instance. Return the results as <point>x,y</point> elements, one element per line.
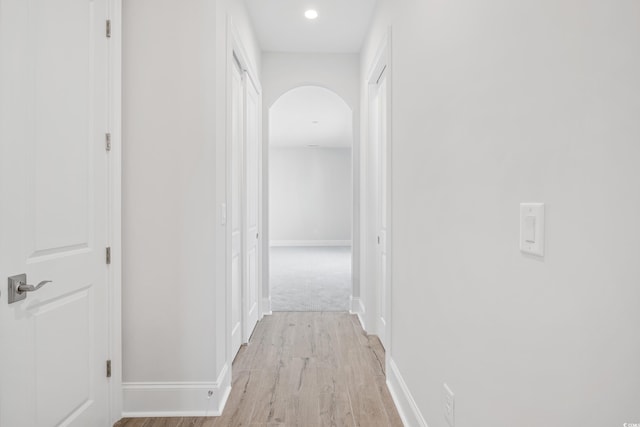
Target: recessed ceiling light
<point>311,14</point>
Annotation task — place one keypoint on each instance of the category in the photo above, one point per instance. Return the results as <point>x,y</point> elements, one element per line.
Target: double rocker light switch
<point>532,228</point>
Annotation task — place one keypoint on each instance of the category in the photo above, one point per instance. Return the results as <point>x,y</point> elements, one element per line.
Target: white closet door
<point>252,206</point>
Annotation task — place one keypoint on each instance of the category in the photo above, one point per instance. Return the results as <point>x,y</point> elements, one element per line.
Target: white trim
<point>309,243</point>
<point>264,217</point>
<point>389,207</point>
<point>405,403</point>
<point>261,250</point>
<point>357,308</point>
<point>229,64</point>
<point>266,306</point>
<point>381,63</point>
<point>236,47</point>
<point>356,286</point>
<point>355,188</point>
<point>115,212</point>
<point>177,399</point>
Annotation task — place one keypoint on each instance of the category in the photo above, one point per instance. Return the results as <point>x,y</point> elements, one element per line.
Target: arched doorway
<point>310,201</point>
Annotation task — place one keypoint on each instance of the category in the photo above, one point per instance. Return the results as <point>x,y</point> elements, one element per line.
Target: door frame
<point>114,203</point>
<point>381,63</point>
<point>355,302</point>
<point>236,52</point>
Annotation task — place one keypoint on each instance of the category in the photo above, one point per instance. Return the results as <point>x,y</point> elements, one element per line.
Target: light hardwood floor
<point>303,370</point>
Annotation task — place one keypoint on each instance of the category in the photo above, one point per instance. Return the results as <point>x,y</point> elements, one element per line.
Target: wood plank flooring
<point>302,370</point>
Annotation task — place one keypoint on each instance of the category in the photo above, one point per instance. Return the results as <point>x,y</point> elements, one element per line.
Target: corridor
<point>466,173</point>
<point>302,369</point>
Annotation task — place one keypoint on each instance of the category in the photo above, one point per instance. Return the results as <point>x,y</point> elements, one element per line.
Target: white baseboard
<point>266,307</point>
<point>407,407</point>
<point>308,243</point>
<point>176,399</point>
<point>357,308</point>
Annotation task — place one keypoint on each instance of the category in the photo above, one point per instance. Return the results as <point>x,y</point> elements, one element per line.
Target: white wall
<point>282,72</point>
<point>497,103</point>
<point>174,347</point>
<point>167,163</point>
<point>310,195</point>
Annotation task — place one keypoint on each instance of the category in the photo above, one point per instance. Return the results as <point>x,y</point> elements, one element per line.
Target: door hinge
<point>108,255</point>
<point>107,141</point>
<point>108,28</point>
<point>108,368</point>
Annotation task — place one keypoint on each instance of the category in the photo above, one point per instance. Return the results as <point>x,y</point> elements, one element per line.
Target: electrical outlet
<point>449,406</point>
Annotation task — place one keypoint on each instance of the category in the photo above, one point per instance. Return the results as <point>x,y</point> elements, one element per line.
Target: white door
<point>237,131</point>
<point>252,205</point>
<point>382,209</point>
<point>53,195</point>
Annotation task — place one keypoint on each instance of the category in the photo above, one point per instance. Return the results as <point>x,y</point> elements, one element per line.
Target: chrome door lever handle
<point>23,287</point>
<point>18,288</point>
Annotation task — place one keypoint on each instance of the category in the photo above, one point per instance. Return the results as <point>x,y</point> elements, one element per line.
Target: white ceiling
<point>292,117</point>
<point>341,25</point>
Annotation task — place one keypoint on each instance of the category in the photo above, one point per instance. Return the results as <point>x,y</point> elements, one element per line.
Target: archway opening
<point>310,201</point>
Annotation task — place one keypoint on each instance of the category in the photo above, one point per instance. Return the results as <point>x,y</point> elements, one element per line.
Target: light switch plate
<point>532,228</point>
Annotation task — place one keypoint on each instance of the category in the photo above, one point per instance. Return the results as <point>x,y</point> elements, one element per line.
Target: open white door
<point>252,206</point>
<point>53,195</point>
<point>237,132</point>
